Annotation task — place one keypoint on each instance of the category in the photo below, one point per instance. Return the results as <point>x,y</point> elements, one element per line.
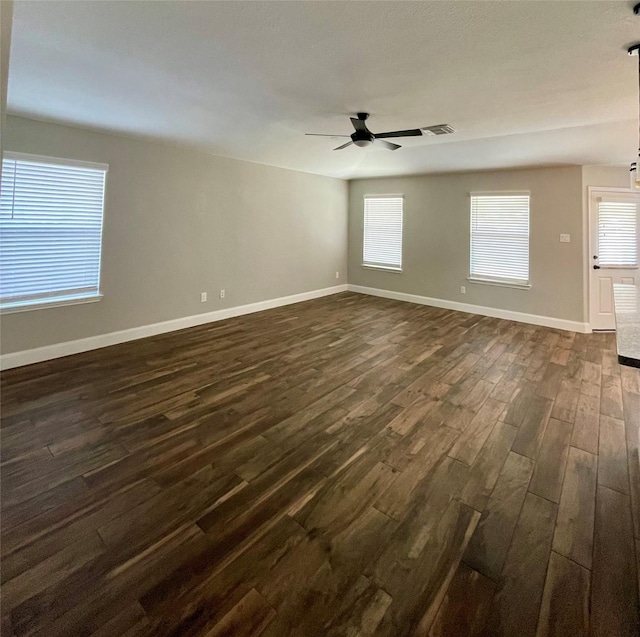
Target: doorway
<point>614,249</point>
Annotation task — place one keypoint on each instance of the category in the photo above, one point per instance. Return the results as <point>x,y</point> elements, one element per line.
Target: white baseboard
<point>521,317</point>
<point>49,352</point>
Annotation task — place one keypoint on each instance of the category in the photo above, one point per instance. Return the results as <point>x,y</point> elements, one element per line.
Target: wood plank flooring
<point>349,466</point>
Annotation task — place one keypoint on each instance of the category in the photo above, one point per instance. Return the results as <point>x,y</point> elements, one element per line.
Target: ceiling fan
<point>364,137</point>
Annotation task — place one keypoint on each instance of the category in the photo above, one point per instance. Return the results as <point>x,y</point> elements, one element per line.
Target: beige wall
<point>6,23</point>
<point>606,176</point>
<point>436,239</point>
<point>178,223</point>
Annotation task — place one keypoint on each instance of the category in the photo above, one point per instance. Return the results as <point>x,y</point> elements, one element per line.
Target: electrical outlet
<point>222,294</point>
<point>203,297</point>
<point>463,289</point>
<point>565,238</point>
<point>337,275</point>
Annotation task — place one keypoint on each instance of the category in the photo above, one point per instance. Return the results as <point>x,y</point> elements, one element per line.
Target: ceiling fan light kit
<point>635,166</point>
<point>363,137</point>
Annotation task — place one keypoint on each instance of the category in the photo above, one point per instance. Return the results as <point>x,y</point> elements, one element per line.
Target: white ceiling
<point>524,83</point>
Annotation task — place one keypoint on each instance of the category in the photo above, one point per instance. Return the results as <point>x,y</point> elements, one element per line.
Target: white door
<point>615,248</point>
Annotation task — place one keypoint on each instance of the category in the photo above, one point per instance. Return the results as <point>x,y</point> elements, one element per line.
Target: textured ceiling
<point>524,83</point>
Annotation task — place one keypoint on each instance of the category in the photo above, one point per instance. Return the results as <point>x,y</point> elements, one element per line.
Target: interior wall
<point>6,24</point>
<point>178,223</point>
<point>606,176</point>
<point>436,239</point>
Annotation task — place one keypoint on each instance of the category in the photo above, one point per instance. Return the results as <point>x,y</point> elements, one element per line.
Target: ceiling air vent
<point>439,129</point>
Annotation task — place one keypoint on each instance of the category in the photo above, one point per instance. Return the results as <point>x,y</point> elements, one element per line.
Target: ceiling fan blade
<point>412,132</point>
<point>323,135</point>
<point>359,124</point>
<point>343,146</point>
<point>387,145</point>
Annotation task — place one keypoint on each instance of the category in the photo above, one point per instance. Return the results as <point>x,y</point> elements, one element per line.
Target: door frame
<point>592,193</point>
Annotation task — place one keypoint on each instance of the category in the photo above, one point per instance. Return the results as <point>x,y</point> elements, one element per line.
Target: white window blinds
<point>50,230</point>
<point>617,233</point>
<point>500,237</point>
<point>382,245</point>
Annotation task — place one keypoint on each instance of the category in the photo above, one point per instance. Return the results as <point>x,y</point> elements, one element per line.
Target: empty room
<point>320,318</point>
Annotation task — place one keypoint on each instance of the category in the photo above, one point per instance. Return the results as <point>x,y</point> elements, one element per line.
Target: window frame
<point>375,266</point>
<point>500,281</point>
<point>43,302</point>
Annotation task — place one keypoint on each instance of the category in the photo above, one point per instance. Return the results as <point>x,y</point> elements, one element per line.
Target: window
<point>500,238</point>
<point>382,244</point>
<point>50,231</point>
<point>617,233</point>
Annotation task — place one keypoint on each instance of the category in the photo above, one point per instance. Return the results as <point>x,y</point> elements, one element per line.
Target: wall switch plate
<point>203,297</point>
<point>565,238</point>
<point>222,294</point>
<point>463,289</point>
<point>337,275</point>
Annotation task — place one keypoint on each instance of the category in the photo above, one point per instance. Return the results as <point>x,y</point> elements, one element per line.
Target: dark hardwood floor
<point>350,466</point>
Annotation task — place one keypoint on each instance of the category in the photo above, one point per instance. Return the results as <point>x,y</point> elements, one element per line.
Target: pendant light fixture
<point>635,166</point>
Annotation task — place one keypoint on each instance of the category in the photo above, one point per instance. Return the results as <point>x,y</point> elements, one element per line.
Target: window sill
<point>384,268</point>
<point>42,305</point>
<point>501,284</point>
